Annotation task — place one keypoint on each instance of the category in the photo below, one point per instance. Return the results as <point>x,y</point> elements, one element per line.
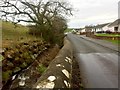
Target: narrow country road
<point>98,64</point>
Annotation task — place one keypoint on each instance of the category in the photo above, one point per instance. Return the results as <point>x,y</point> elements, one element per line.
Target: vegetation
<point>13,34</point>
<point>112,35</point>
<point>41,68</point>
<point>115,41</point>
<point>20,49</point>
<point>47,17</point>
<point>9,31</point>
<point>20,57</point>
<point>22,45</point>
<point>68,30</point>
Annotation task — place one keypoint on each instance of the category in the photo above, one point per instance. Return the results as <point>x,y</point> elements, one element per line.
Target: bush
<point>108,32</point>
<point>41,68</point>
<point>100,31</point>
<point>47,34</point>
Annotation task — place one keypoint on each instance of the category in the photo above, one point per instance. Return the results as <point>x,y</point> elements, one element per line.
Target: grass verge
<point>14,34</point>
<point>111,35</point>
<point>115,41</point>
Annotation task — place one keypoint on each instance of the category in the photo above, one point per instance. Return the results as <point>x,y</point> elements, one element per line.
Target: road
<point>98,64</point>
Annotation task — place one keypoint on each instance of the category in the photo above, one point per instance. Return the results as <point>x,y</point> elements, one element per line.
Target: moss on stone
<point>21,56</point>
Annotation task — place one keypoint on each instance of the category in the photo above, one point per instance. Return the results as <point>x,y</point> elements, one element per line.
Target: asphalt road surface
<point>98,64</point>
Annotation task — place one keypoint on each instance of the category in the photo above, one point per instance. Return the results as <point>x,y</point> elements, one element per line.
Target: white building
<point>115,26</point>
<point>107,28</point>
<point>83,30</point>
<point>100,27</point>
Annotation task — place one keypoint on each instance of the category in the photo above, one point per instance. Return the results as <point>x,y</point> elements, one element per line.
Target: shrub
<point>41,68</point>
<point>108,32</point>
<point>100,31</point>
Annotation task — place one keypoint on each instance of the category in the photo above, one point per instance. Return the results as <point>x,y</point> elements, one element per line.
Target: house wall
<point>114,27</point>
<point>93,29</point>
<point>119,28</point>
<point>105,28</point>
<point>111,29</point>
<point>83,30</point>
<point>99,29</point>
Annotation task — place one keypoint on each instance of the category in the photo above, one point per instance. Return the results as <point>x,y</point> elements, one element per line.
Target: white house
<point>107,28</point>
<point>115,26</point>
<point>100,27</point>
<point>119,28</point>
<point>83,30</point>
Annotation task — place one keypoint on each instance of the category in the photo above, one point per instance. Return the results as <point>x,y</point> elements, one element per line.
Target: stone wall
<point>58,74</point>
<point>18,57</point>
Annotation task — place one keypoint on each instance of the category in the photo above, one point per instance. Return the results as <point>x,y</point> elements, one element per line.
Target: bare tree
<point>40,12</point>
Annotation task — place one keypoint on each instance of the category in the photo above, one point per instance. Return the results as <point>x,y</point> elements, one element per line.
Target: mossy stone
<point>17,69</point>
<point>6,75</point>
<point>1,58</point>
<point>23,65</point>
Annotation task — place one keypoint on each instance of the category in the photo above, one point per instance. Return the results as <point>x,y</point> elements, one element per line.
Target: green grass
<point>68,30</point>
<point>115,41</point>
<point>41,68</point>
<point>10,32</point>
<point>113,35</point>
<point>13,35</point>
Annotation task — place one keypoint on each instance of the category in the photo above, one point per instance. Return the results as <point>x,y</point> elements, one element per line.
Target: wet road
<point>98,64</point>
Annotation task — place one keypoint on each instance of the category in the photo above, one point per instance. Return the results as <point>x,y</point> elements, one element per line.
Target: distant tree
<point>46,15</point>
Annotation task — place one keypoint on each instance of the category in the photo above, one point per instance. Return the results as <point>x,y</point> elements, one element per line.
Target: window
<point>115,29</point>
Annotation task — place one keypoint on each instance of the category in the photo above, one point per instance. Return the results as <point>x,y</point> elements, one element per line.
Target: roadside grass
<point>12,34</point>
<point>112,35</point>
<point>41,68</point>
<point>68,30</point>
<point>115,41</point>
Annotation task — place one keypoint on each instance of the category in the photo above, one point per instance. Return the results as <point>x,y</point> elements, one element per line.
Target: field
<point>12,34</point>
<point>20,50</point>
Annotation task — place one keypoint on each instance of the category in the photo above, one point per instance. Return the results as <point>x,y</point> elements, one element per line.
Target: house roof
<point>116,22</point>
<point>100,25</point>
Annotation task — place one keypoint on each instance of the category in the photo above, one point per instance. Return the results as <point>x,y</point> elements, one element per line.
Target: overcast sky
<point>88,12</point>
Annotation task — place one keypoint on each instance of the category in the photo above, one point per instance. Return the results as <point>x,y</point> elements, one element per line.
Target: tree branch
<point>25,21</point>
